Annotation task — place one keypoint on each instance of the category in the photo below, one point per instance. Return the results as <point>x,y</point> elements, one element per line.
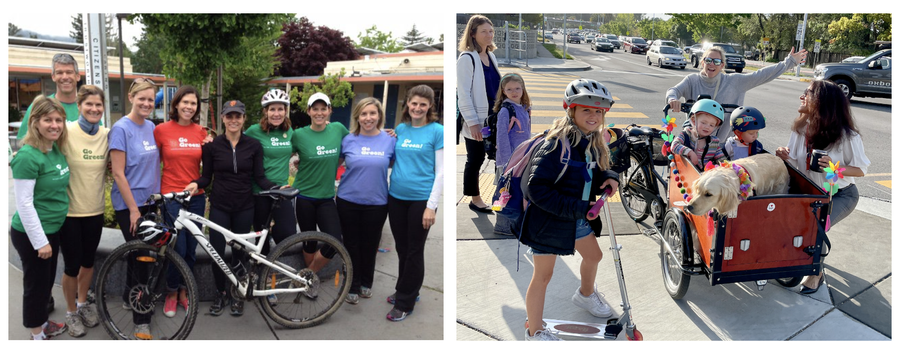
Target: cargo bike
<point>780,237</point>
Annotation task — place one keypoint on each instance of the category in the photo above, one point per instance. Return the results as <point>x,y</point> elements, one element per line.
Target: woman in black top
<point>234,159</point>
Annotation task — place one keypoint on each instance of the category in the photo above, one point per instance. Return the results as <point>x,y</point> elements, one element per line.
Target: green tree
<point>709,26</point>
<point>147,59</point>
<point>112,35</point>
<point>412,36</point>
<point>196,45</point>
<point>340,92</point>
<point>14,30</point>
<point>376,39</point>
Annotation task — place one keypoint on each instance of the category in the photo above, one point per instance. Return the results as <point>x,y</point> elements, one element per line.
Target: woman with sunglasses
<point>136,174</point>
<point>726,88</point>
<point>825,123</point>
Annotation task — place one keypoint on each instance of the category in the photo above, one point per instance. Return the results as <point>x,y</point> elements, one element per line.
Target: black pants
<point>474,159</point>
<point>78,241</point>
<point>38,277</point>
<point>321,213</point>
<point>361,225</point>
<point>137,272</point>
<point>237,222</point>
<point>409,237</point>
<point>283,216</point>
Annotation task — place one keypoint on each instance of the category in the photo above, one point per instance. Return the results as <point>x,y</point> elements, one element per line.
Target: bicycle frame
<point>646,161</point>
<point>242,239</point>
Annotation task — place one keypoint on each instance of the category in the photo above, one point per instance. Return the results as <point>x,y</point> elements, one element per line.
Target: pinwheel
<point>834,172</point>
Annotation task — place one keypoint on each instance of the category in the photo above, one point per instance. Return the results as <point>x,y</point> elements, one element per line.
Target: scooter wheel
<point>637,336</point>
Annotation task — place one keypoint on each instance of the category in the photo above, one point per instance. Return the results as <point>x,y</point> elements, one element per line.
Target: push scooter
<point>614,326</point>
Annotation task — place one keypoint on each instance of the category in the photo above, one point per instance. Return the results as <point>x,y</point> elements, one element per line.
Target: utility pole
<point>565,38</point>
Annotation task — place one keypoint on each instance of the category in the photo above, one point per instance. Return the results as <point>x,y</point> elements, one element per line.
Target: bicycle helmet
<point>152,232</point>
<point>709,106</point>
<point>587,93</point>
<point>275,96</point>
<point>747,119</point>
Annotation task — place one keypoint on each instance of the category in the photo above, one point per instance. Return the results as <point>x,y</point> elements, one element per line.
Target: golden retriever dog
<point>720,188</point>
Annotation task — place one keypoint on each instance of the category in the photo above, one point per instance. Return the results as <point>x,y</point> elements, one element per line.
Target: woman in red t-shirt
<point>179,141</point>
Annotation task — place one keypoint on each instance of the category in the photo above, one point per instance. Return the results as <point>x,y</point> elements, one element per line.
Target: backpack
<point>509,198</point>
<point>490,124</point>
<point>459,119</point>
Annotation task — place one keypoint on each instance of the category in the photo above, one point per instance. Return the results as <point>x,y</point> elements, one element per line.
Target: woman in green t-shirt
<point>40,178</point>
<point>274,132</point>
<point>319,148</point>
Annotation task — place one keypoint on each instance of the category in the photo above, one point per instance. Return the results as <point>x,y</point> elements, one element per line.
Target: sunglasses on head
<point>140,80</point>
<point>715,61</point>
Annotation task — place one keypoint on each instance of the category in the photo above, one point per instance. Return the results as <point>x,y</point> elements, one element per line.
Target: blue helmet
<point>747,119</point>
<point>709,106</point>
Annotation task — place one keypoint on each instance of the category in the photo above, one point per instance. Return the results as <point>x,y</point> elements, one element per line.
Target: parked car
<point>614,40</point>
<point>13,132</point>
<point>853,59</point>
<point>752,54</point>
<point>555,31</point>
<point>573,38</point>
<point>635,45</point>
<point>733,60</point>
<point>665,56</point>
<point>602,44</point>
<point>588,38</point>
<point>692,48</point>
<point>870,77</point>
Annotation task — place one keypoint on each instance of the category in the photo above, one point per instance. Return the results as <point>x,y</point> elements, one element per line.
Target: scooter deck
<point>585,330</point>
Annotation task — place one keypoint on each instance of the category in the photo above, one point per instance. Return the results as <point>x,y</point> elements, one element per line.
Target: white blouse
<point>849,152</point>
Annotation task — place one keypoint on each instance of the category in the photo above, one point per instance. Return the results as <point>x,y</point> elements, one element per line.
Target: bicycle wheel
<point>636,176</point>
<point>131,287</point>
<point>675,281</point>
<point>790,281</point>
<point>298,310</point>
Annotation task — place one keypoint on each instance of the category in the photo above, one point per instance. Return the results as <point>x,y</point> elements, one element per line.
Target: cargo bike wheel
<point>635,205</point>
<point>674,232</point>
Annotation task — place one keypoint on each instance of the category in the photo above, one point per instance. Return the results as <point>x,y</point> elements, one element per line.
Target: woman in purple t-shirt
<point>135,168</point>
<point>367,152</point>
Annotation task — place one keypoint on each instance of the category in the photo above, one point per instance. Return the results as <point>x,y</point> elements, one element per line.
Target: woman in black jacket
<point>556,223</point>
<point>234,159</point>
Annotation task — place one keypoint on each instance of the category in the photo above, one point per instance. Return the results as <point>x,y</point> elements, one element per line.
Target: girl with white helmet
<point>698,141</point>
<point>274,132</point>
<point>556,223</point>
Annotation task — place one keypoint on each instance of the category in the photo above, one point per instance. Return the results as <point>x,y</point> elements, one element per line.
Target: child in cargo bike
<point>696,142</point>
<point>560,193</point>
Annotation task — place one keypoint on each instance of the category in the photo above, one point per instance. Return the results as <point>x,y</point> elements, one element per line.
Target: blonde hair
<point>712,49</point>
<point>565,127</point>
<point>357,110</point>
<point>467,43</point>
<point>141,84</point>
<point>41,107</point>
<point>511,77</point>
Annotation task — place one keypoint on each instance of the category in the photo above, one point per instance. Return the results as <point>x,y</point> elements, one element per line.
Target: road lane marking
<point>611,114</point>
<point>559,104</point>
<point>886,183</point>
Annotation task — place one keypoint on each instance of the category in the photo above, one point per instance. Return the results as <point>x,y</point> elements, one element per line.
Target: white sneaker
<point>594,304</point>
<point>541,335</point>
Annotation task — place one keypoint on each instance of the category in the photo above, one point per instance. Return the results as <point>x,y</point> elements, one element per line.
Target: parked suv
<point>733,59</point>
<point>870,77</point>
<point>635,45</point>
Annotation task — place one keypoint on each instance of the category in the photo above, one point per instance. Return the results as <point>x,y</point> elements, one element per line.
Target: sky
<point>350,23</point>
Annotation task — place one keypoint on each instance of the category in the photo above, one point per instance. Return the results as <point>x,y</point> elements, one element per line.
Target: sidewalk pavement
<point>365,320</point>
<point>854,304</point>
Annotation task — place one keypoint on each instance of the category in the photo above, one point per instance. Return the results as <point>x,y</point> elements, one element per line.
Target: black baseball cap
<point>234,106</point>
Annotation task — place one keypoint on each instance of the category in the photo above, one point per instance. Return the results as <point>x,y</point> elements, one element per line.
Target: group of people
<point>60,172</point>
<point>556,222</point>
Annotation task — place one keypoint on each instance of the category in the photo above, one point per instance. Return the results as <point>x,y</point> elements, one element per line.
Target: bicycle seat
<point>641,131</point>
<point>286,193</point>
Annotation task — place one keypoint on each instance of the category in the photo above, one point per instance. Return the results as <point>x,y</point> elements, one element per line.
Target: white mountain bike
<point>133,277</point>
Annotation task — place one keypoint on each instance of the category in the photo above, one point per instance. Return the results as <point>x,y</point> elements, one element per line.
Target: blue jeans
<point>582,229</point>
<point>186,245</point>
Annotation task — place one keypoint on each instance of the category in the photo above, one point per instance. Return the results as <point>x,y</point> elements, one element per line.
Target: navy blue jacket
<point>549,222</point>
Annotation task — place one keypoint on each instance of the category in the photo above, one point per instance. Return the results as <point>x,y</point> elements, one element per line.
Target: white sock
<point>39,336</point>
<point>79,305</point>
<point>71,312</point>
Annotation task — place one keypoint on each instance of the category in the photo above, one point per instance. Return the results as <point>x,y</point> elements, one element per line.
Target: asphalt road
<point>642,87</point>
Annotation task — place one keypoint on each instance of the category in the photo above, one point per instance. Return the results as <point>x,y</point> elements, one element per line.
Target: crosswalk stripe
<point>558,95</point>
<point>611,114</point>
<point>886,183</point>
<point>538,128</point>
<point>559,104</point>
<point>560,86</point>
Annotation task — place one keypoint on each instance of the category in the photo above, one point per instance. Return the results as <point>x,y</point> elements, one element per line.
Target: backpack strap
<point>564,156</point>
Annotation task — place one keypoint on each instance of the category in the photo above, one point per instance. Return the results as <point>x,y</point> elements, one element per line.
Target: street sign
<point>765,41</point>
<point>818,46</point>
<point>95,68</point>
<point>800,30</point>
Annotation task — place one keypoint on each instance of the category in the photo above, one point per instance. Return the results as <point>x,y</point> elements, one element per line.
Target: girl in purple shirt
<point>511,130</point>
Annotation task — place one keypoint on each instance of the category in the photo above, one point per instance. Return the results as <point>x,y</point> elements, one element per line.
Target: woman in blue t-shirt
<point>135,169</point>
<point>416,182</point>
<point>366,152</point>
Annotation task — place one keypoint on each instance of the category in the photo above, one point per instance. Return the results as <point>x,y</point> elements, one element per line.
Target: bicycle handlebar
<point>170,196</point>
